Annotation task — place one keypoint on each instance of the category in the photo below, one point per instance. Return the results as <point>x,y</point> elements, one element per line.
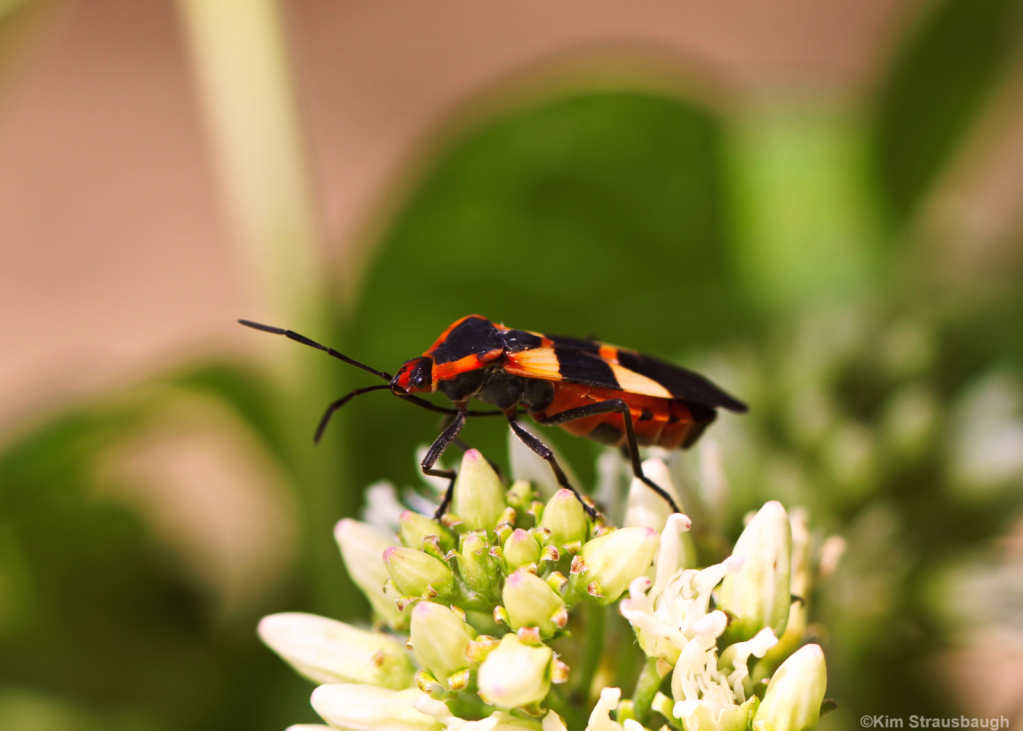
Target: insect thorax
<point>495,386</point>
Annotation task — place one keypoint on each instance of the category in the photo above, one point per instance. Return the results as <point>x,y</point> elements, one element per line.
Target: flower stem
<point>595,616</point>
<point>646,688</point>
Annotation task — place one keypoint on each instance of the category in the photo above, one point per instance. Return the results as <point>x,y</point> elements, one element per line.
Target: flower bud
<point>613,560</point>
<point>479,496</point>
<point>520,549</point>
<point>793,698</point>
<point>757,596</point>
<point>418,574</point>
<point>565,518</point>
<point>800,585</point>
<point>365,708</point>
<point>361,545</point>
<point>515,674</point>
<point>520,495</point>
<point>327,651</point>
<point>439,640</point>
<point>413,528</point>
<point>645,507</point>
<point>531,602</point>
<point>480,571</point>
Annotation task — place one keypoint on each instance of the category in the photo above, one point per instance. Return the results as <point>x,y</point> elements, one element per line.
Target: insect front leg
<point>436,450</point>
<point>547,454</point>
<point>448,420</point>
<point>610,407</point>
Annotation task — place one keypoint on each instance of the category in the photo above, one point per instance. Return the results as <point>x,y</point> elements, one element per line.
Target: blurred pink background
<point>108,195</point>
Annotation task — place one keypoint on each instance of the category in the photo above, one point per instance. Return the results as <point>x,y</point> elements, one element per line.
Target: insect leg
<point>436,450</point>
<point>547,453</point>
<point>424,404</point>
<point>337,405</point>
<point>609,407</point>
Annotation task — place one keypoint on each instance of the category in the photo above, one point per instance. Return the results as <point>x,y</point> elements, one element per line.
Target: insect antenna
<point>325,419</point>
<point>313,344</point>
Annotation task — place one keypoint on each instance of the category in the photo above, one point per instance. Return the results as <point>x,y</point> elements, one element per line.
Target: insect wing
<point>591,363</point>
<point>681,383</point>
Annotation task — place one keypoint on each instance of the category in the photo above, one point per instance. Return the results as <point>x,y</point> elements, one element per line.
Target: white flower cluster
<point>485,559</point>
<point>675,626</point>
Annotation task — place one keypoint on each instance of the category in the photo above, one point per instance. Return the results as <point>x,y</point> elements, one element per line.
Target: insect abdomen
<point>667,423</point>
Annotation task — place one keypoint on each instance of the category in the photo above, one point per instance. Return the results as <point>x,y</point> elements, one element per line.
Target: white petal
<point>553,722</point>
<point>362,548</point>
<point>365,708</point>
<point>669,553</point>
<point>382,508</point>
<point>600,718</point>
<point>645,507</point>
<point>327,651</point>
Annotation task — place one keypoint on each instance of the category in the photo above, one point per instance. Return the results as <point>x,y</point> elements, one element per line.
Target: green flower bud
<point>439,640</point>
<point>480,571</point>
<point>479,496</point>
<point>758,595</point>
<point>361,545</point>
<point>531,602</point>
<point>515,674</point>
<point>565,518</point>
<point>418,574</point>
<point>520,549</point>
<point>365,708</point>
<point>609,563</point>
<point>327,651</point>
<point>520,495</point>
<point>793,698</point>
<point>413,528</point>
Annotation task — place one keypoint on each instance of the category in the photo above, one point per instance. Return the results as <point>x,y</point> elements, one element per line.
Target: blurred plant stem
<point>804,226</point>
<point>240,58</point>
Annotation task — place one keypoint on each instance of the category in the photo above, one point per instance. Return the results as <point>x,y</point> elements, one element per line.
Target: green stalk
<point>239,55</point>
<point>595,620</point>
<point>646,688</point>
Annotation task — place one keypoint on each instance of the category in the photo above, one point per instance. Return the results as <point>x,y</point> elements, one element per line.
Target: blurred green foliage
<point>751,245</point>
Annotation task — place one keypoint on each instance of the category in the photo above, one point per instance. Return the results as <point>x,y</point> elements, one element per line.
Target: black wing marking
<point>474,335</point>
<point>586,346</point>
<point>560,363</point>
<point>577,366</point>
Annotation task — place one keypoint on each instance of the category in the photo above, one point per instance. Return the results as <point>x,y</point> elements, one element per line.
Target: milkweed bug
<point>608,394</point>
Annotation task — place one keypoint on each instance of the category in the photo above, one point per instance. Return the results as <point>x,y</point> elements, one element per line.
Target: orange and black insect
<point>612,395</point>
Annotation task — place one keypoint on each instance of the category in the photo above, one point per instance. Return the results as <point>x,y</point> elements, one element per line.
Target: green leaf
<point>936,89</point>
<point>244,391</point>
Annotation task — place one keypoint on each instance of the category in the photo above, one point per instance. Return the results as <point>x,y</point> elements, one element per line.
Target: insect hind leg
<point>611,407</point>
<point>547,454</point>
